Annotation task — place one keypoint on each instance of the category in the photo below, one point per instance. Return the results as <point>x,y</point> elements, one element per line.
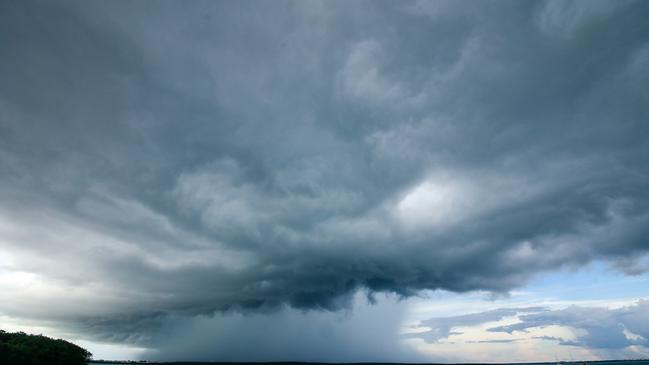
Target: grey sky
<point>178,159</point>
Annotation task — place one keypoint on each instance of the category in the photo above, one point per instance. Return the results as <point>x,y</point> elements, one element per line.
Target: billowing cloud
<point>161,159</point>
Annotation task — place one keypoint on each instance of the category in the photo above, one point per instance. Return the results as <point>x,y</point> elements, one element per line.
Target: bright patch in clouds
<point>435,204</point>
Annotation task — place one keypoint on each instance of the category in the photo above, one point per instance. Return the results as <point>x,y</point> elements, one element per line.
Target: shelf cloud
<point>166,159</point>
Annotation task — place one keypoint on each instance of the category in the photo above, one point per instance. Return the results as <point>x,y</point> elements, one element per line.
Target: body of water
<point>611,362</point>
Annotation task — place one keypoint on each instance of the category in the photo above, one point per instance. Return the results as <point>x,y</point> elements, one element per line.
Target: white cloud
<point>445,199</point>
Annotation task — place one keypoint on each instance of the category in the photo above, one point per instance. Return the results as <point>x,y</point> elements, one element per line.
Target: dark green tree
<point>23,349</point>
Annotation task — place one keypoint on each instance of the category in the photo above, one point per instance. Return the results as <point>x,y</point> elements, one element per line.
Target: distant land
<point>20,348</point>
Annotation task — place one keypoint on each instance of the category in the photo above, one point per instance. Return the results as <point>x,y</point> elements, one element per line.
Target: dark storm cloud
<point>171,159</point>
<point>368,332</point>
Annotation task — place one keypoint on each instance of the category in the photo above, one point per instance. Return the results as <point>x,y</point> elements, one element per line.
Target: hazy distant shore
<point>607,362</point>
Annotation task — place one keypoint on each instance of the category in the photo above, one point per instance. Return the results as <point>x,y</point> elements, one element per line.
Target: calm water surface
<point>624,362</point>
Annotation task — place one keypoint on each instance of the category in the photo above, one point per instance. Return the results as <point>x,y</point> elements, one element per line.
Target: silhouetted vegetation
<point>23,349</point>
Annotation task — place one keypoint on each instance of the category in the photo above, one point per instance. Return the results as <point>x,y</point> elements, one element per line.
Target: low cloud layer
<point>604,328</point>
<point>165,159</point>
<point>609,332</point>
<point>441,328</point>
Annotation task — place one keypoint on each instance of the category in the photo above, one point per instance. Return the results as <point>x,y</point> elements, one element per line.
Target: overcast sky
<point>327,181</point>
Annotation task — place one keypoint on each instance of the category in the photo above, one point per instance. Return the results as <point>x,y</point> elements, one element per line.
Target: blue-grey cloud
<point>612,333</point>
<point>368,332</point>
<point>604,328</point>
<point>442,327</point>
<point>179,159</point>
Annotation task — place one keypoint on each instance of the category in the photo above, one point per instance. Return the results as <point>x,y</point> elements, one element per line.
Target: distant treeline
<point>23,349</point>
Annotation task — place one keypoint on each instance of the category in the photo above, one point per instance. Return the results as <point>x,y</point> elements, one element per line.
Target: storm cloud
<point>174,159</point>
